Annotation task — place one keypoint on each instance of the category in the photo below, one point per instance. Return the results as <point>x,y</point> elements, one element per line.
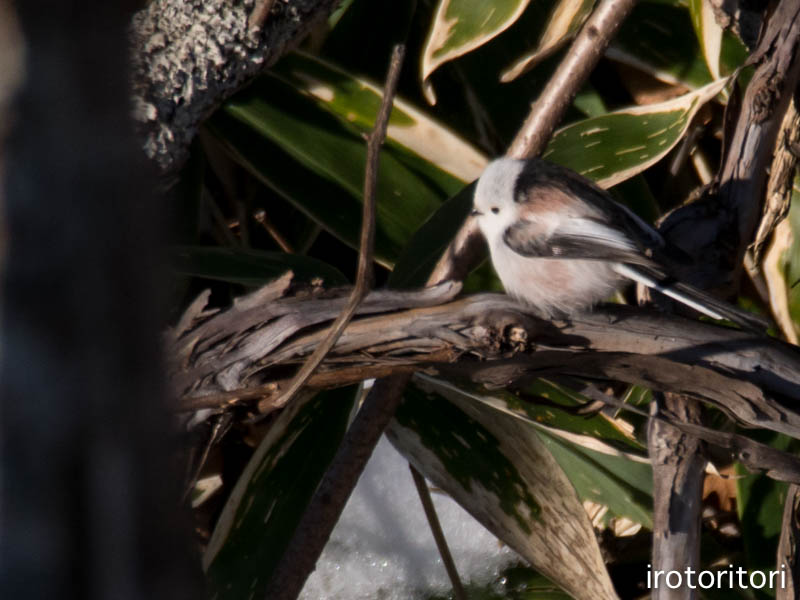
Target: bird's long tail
<point>692,297</point>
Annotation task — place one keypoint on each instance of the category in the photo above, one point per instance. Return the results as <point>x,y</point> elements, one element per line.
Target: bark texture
<point>191,55</point>
<point>245,353</point>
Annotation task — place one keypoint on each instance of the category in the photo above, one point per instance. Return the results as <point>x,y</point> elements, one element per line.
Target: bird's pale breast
<point>552,286</point>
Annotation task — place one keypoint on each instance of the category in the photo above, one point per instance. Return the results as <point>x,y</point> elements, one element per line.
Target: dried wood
<point>492,339</point>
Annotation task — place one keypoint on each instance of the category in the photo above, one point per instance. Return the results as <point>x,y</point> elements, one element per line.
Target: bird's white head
<point>494,205</point>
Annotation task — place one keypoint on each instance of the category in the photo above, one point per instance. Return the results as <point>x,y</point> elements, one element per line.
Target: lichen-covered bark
<point>190,55</point>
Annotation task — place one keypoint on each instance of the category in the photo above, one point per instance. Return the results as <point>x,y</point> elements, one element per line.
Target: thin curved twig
<point>367,242</point>
<point>325,507</point>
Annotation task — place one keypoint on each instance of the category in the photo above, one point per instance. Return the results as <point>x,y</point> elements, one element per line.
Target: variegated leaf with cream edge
<point>496,467</point>
<point>460,26</point>
<point>709,34</point>
<point>563,23</point>
<point>271,494</point>
<point>356,100</point>
<point>618,145</point>
<point>601,459</point>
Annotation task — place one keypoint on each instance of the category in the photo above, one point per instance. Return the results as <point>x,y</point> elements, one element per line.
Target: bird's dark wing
<point>547,186</point>
<point>578,238</point>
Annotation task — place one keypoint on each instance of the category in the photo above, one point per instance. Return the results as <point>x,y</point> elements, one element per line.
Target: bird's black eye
<point>495,210</point>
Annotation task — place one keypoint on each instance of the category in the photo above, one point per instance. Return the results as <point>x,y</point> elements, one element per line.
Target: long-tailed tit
<point>561,244</point>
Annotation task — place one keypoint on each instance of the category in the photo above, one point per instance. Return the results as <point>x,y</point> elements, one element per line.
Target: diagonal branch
<point>584,54</point>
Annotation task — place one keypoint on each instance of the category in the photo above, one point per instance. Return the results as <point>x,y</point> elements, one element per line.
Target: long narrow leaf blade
<point>461,26</point>
<point>496,467</point>
<point>272,492</point>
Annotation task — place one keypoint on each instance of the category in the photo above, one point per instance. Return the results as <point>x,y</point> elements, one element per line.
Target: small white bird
<point>561,244</point>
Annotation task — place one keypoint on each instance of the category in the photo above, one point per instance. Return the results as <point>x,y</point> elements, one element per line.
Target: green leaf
<point>441,154</point>
<point>603,462</point>
<point>548,405</point>
<point>250,267</point>
<point>618,145</point>
<point>459,27</point>
<point>428,243</point>
<point>327,204</point>
<point>495,466</point>
<point>270,115</point>
<point>270,496</point>
<point>566,18</point>
<point>658,39</point>
<point>623,485</point>
<point>709,34</point>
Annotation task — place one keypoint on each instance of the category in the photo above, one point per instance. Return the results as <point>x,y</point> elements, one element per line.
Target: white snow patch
<point>382,547</point>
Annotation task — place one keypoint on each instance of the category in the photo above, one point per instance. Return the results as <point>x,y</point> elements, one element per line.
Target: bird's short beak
<point>475,213</point>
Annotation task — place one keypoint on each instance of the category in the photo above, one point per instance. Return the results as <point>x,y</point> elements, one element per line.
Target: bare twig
<point>438,534</point>
<point>367,241</point>
<point>326,505</point>
<point>219,220</point>
<point>260,13</point>
<point>583,55</point>
<point>262,219</point>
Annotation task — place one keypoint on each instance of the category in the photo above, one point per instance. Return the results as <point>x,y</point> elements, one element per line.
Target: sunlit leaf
<point>272,492</point>
<point>791,266</point>
<point>548,406</point>
<point>328,187</point>
<point>708,32</point>
<point>618,145</point>
<point>603,462</point>
<point>460,26</point>
<point>495,466</point>
<point>624,486</point>
<point>562,25</point>
<point>658,39</point>
<point>356,100</point>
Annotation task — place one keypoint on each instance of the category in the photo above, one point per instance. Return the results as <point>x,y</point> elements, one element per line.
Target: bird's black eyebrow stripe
<point>537,173</point>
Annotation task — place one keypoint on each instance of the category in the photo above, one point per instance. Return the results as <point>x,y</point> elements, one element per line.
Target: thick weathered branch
<point>190,55</point>
<point>719,228</point>
<point>788,544</point>
<point>492,339</point>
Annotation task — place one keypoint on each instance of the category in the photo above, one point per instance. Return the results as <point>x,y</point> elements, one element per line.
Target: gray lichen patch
<point>188,56</point>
